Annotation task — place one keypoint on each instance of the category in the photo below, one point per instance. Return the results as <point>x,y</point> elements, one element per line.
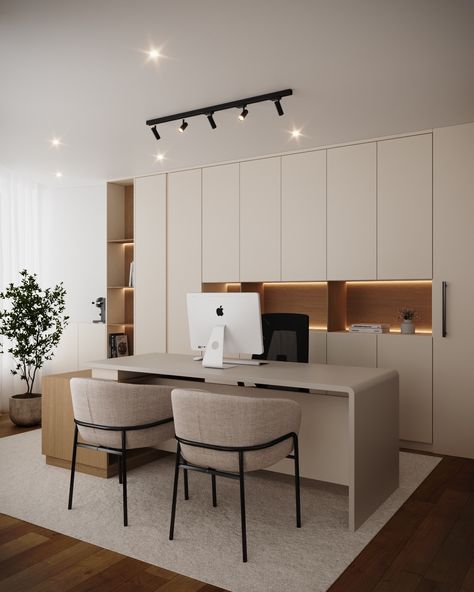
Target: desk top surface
<point>290,374</point>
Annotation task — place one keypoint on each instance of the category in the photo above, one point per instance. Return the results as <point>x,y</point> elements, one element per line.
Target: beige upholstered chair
<point>227,436</point>
<point>115,417</point>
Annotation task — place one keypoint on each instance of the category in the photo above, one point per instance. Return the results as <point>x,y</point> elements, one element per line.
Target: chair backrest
<point>110,403</point>
<point>234,421</point>
<point>285,337</point>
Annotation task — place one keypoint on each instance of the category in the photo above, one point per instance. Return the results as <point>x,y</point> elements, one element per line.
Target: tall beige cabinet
<point>351,212</point>
<point>453,264</point>
<point>220,223</point>
<point>404,208</point>
<point>260,220</point>
<point>183,253</point>
<point>150,264</point>
<point>303,216</point>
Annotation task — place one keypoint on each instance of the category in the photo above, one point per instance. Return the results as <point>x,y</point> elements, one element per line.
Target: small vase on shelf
<point>407,327</point>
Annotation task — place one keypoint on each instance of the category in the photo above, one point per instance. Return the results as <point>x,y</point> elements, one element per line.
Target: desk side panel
<point>373,432</point>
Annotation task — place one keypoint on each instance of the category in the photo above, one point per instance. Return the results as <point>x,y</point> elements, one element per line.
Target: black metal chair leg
<point>242,506</point>
<point>297,481</point>
<point>175,492</point>
<point>186,484</point>
<point>214,491</point>
<point>120,470</point>
<point>73,469</point>
<point>124,480</point>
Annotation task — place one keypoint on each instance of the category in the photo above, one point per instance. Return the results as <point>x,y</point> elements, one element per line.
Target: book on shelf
<point>121,344</point>
<point>370,328</point>
<point>118,343</point>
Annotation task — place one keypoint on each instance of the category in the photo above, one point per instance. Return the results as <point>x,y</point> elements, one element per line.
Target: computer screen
<point>233,319</point>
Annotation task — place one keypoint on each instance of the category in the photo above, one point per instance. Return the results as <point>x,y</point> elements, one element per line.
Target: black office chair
<point>285,337</point>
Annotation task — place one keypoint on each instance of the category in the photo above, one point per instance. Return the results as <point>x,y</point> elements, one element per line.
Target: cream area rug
<point>207,543</point>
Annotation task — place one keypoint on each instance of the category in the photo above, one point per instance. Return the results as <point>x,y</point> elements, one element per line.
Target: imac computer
<point>227,323</point>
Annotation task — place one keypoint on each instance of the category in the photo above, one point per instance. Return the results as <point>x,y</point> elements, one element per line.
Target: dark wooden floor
<point>428,546</point>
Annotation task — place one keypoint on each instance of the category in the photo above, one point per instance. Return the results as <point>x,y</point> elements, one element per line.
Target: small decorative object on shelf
<point>131,275</point>
<point>407,315</point>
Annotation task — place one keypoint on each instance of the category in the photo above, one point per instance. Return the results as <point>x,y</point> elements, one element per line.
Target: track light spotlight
<point>155,132</point>
<point>244,113</point>
<point>211,121</point>
<point>279,108</point>
<point>183,126</point>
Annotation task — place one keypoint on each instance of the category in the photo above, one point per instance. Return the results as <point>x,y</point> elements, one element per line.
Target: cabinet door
<point>352,349</point>
<point>411,356</point>
<point>184,253</point>
<point>351,207</point>
<point>453,260</point>
<point>150,264</point>
<point>303,216</point>
<point>404,208</point>
<point>220,223</point>
<point>260,219</point>
<point>317,347</point>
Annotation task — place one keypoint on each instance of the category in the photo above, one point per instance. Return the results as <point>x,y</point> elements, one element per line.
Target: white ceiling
<point>359,69</point>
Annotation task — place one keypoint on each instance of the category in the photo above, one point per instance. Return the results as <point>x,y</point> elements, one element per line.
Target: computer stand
<point>214,353</point>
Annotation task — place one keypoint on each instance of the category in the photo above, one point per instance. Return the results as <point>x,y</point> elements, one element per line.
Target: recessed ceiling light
<point>159,157</point>
<point>153,54</point>
<point>295,133</point>
<point>58,174</point>
<point>55,142</point>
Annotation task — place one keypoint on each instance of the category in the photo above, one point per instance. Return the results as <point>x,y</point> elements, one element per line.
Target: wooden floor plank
<point>20,544</point>
<point>8,428</point>
<point>81,571</point>
<point>116,576</point>
<point>33,576</point>
<point>182,584</point>
<point>468,582</point>
<point>421,548</point>
<point>454,557</point>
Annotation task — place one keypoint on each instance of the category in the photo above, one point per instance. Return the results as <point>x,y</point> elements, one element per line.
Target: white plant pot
<point>407,327</point>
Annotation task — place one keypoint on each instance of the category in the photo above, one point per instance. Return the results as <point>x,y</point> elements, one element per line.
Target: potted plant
<point>33,323</point>
<point>407,316</point>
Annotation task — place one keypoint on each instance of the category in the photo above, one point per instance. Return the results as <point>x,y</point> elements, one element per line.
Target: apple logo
<point>220,311</point>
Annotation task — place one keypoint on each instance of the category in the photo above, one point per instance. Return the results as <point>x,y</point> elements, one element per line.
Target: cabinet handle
<point>444,286</point>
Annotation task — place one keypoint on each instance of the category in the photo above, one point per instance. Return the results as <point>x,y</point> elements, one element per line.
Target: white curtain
<point>20,248</point>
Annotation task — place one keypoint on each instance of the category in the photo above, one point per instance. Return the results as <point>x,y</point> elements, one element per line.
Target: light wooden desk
<point>349,431</point>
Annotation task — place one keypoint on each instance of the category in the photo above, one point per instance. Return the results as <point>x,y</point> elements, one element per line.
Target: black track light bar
<point>240,103</point>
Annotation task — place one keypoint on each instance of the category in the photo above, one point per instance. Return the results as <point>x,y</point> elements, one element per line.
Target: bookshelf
<point>120,254</point>
<point>334,305</point>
